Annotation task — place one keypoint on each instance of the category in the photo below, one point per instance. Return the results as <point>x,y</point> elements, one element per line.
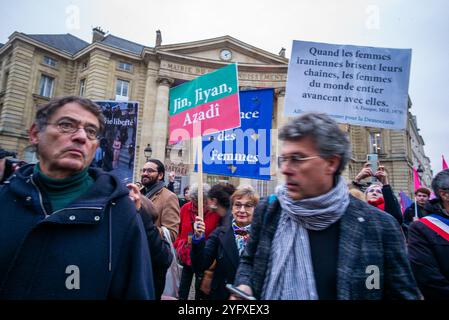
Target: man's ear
<point>34,134</point>
<point>332,164</point>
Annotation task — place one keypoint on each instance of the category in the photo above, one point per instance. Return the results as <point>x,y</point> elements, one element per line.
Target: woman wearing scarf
<point>226,243</point>
<point>380,194</point>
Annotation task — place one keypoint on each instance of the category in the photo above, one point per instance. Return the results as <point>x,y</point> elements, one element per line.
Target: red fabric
<point>187,216</point>
<point>379,203</point>
<point>435,228</point>
<point>416,181</point>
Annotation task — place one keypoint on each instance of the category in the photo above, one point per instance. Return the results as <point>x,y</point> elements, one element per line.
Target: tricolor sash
<point>438,224</point>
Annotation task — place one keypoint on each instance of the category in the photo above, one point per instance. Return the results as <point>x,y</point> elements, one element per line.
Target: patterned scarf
<point>241,235</point>
<point>290,269</point>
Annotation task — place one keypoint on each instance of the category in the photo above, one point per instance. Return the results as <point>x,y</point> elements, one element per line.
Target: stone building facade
<point>34,68</point>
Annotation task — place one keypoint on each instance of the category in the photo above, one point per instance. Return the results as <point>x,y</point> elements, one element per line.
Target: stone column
<point>280,121</point>
<point>146,115</point>
<point>160,122</point>
<point>18,108</point>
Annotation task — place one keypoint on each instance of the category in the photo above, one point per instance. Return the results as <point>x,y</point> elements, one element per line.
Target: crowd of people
<point>71,230</point>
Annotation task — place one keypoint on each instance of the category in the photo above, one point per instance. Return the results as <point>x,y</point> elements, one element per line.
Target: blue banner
<point>245,151</point>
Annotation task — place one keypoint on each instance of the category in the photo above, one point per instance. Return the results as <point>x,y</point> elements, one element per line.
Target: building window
<point>50,62</point>
<point>121,90</point>
<point>375,142</point>
<point>82,87</point>
<point>125,66</point>
<point>46,86</point>
<point>84,64</point>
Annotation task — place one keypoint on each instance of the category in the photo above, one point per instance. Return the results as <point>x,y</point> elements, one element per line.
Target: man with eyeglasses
<point>165,202</point>
<point>69,231</point>
<point>164,207</point>
<point>314,241</point>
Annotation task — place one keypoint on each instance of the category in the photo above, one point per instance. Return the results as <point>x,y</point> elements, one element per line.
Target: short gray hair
<point>44,112</point>
<point>329,139</point>
<point>441,181</point>
<point>193,191</point>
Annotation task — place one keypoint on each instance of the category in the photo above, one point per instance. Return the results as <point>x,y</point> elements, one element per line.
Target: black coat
<point>429,256</point>
<point>220,246</point>
<point>409,213</point>
<point>161,256</point>
<point>367,237</point>
<point>391,203</point>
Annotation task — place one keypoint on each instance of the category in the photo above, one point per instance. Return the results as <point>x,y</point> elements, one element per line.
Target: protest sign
<point>207,104</point>
<point>117,147</point>
<point>243,152</point>
<point>357,85</point>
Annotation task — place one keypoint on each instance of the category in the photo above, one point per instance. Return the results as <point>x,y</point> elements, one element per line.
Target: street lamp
<point>148,152</point>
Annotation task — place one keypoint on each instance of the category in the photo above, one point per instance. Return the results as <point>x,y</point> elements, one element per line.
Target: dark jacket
<point>98,239</point>
<point>391,203</point>
<point>368,237</point>
<point>409,213</point>
<point>429,256</point>
<point>220,246</point>
<point>161,256</point>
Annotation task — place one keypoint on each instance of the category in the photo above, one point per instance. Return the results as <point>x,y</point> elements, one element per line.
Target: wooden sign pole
<point>200,175</point>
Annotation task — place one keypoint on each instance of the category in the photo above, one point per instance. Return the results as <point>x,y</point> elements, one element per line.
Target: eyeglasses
<point>149,170</point>
<point>71,126</point>
<point>246,206</point>
<point>295,160</point>
<point>379,191</point>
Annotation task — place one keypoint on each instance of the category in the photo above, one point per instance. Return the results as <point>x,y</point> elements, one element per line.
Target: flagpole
<point>416,209</point>
<point>417,185</point>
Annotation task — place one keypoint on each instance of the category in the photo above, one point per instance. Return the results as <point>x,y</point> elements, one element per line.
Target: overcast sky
<point>422,26</point>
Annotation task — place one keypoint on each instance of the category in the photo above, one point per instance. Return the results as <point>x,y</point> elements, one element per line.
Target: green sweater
<point>61,192</point>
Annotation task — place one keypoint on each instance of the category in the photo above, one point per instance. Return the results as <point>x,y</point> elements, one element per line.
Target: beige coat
<point>166,205</point>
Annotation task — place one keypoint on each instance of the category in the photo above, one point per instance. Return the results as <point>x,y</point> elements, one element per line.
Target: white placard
<point>363,86</point>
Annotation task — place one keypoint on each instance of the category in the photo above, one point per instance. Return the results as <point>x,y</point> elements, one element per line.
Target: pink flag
<point>444,163</point>
<point>416,179</point>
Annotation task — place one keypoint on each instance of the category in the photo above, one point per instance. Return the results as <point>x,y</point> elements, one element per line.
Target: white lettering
<point>73,280</point>
<point>373,280</point>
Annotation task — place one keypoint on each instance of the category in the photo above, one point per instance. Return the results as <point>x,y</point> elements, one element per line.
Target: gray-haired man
<point>69,231</point>
<point>315,241</point>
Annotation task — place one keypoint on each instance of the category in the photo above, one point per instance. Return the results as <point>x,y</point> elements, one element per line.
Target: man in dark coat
<point>428,243</point>
<point>422,196</point>
<point>69,231</point>
<point>316,241</point>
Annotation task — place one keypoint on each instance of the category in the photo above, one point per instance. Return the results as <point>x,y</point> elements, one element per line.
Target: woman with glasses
<point>226,243</point>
